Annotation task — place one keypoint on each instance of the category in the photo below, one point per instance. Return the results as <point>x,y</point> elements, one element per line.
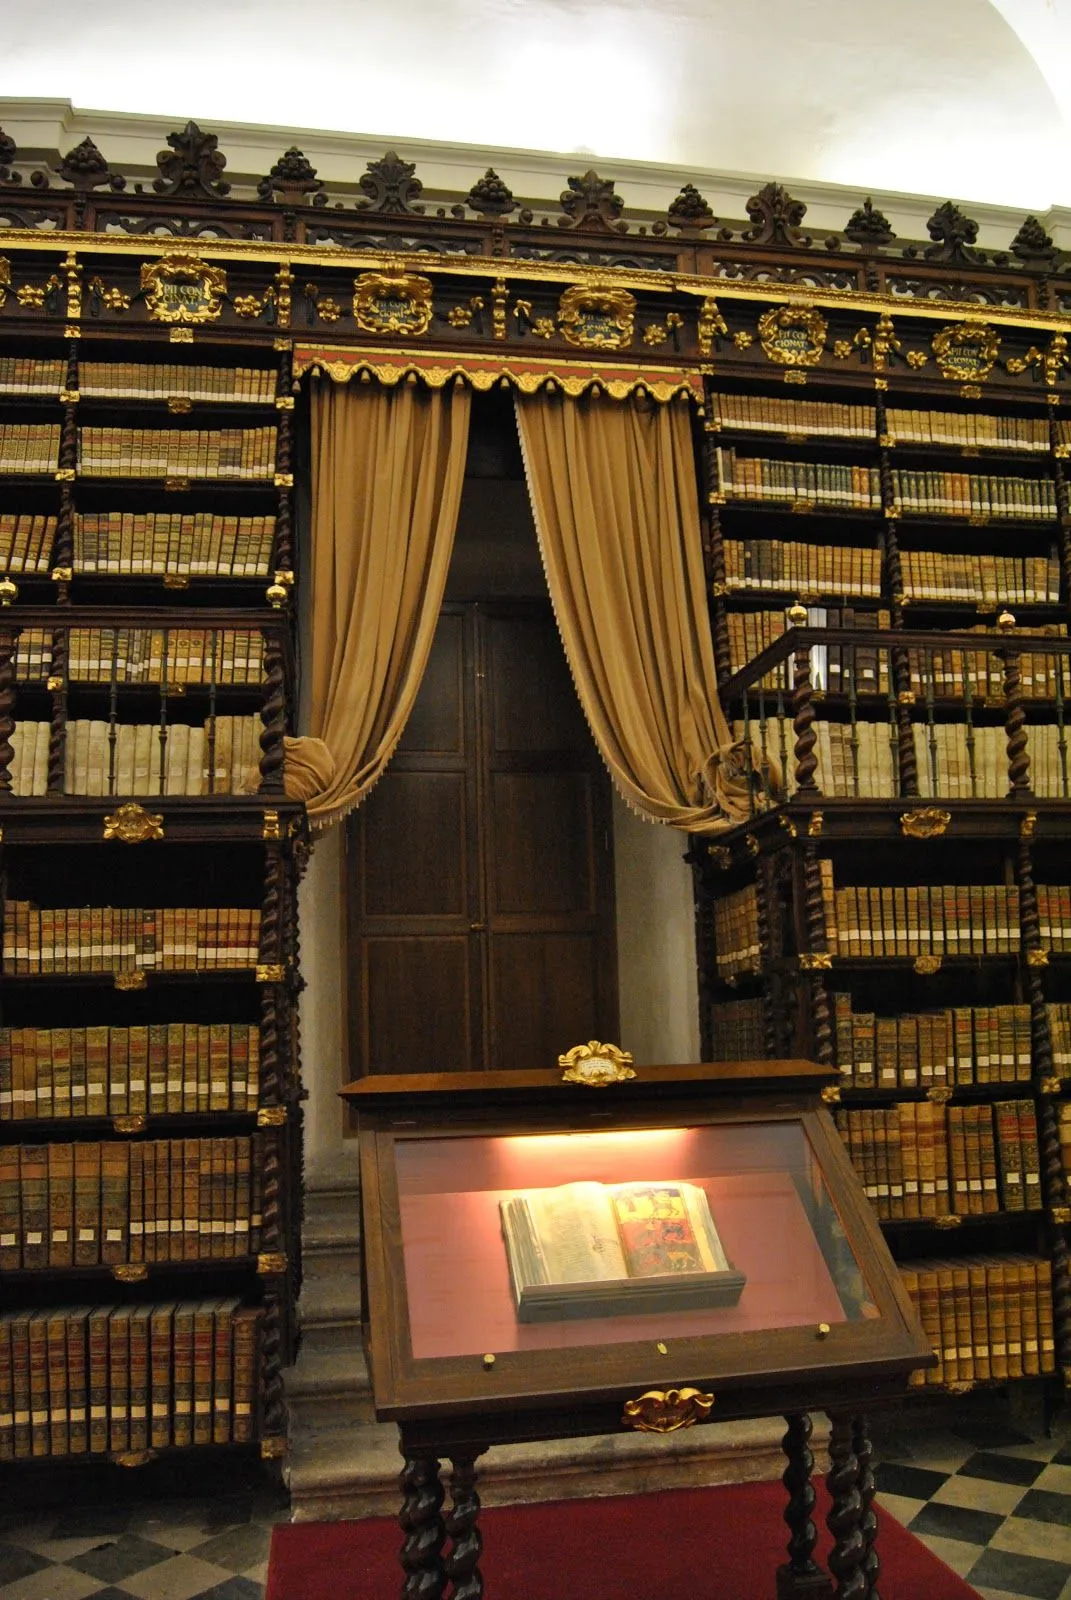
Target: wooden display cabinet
<point>823,1321</point>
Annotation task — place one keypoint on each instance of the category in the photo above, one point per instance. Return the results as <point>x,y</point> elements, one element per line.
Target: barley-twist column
<point>803,713</point>
<point>8,645</point>
<point>462,1526</point>
<point>801,1574</point>
<point>849,1548</point>
<point>422,1523</point>
<point>868,1521</point>
<point>1014,716</point>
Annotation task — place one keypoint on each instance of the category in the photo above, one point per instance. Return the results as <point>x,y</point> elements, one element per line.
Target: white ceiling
<point>963,98</point>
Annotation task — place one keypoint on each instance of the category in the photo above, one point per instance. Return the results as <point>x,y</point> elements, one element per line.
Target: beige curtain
<point>614,496</point>
<point>387,471</point>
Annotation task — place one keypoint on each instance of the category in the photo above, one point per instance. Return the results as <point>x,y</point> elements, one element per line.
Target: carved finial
<point>591,202</point>
<point>292,176</point>
<point>953,233</point>
<point>1006,622</point>
<point>775,217</point>
<point>86,168</point>
<point>1033,244</point>
<point>192,166</point>
<point>868,225</point>
<point>689,209</point>
<point>490,197</point>
<point>390,185</point>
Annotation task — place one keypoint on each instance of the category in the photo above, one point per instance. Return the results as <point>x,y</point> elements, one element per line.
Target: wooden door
<point>480,869</point>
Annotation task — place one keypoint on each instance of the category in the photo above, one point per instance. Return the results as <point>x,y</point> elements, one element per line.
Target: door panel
<point>481,906</point>
<point>418,1005</point>
<point>414,853</point>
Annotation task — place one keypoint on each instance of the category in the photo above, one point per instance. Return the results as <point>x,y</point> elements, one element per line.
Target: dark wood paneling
<point>541,841</point>
<point>418,1003</point>
<point>533,703</point>
<point>413,857</point>
<point>437,721</point>
<point>544,992</point>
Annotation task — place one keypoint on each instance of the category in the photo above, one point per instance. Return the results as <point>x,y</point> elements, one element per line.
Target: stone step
<point>331,1338</point>
<point>336,1474</point>
<point>328,1389</point>
<point>337,1263</point>
<point>324,1231</point>
<point>330,1297</point>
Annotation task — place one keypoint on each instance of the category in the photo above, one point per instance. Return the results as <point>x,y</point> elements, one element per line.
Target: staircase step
<point>332,1339</point>
<point>330,1298</point>
<point>326,1372</point>
<point>338,1263</point>
<point>330,1231</point>
<point>354,1473</point>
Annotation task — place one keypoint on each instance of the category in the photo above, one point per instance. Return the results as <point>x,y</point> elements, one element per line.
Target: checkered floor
<point>981,1484</point>
<point>987,1490</point>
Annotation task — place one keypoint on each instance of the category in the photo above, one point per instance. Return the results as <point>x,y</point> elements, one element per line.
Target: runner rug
<point>707,1544</point>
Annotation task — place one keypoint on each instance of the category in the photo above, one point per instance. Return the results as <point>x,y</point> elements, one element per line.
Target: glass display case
<point>695,1240</point>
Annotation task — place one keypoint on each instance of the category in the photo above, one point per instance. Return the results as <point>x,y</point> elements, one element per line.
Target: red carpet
<point>707,1544</point>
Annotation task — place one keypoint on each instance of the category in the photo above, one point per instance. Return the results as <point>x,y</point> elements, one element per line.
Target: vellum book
<point>599,1250</point>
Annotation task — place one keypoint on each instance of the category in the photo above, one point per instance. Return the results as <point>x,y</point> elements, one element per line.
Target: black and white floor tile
<point>988,1491</point>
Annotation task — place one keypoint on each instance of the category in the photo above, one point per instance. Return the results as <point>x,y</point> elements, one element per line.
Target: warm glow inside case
<point>773,1214</point>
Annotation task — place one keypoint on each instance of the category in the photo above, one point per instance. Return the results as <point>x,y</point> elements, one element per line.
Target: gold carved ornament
<point>595,1065</point>
<point>132,824</point>
<point>666,1410</point>
<point>392,302</point>
<point>930,822</point>
<point>131,980</point>
<point>816,961</point>
<point>711,325</point>
<point>926,966</point>
<point>183,289</point>
<point>597,316</point>
<point>966,351</point>
<point>793,336</point>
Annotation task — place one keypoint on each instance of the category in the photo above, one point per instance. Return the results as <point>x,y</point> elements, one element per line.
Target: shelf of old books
<point>521,1253</point>
<point>149,1117</point>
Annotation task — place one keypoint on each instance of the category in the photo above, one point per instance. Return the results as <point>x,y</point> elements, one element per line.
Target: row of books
<point>969,430</point>
<point>177,544</point>
<point>981,580</point>
<point>116,1202</point>
<point>31,375</point>
<point>164,380</point>
<point>162,1069</point>
<point>173,656</point>
<point>736,933</point>
<point>853,757</point>
<point>177,452</point>
<point>760,413</point>
<point>958,762</point>
<point>76,939</point>
<point>834,667</point>
<point>29,446</point>
<point>803,568</point>
<point>77,1380</point>
<point>26,542</point>
<point>972,494</point>
<point>986,1316</point>
<point>819,483</point>
<point>918,1159</point>
<point>738,1028</point>
<point>979,673</point>
<point>221,756</point>
<point>927,1049</point>
<point>932,919</point>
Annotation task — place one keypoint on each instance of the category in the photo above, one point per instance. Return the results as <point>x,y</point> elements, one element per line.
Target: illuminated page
<point>666,1229</point>
<point>574,1233</point>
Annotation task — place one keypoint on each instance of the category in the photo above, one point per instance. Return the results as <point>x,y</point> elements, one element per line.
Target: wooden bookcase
<point>898,905</point>
<point>149,1079</point>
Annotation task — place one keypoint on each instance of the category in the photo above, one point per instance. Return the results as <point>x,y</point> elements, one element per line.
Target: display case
<point>817,1318</point>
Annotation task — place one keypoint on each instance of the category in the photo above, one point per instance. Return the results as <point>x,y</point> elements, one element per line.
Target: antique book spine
<point>77,1373</point>
<point>119,1378</point>
<point>998,1318</point>
<point>161,1350</point>
<point>246,1342</point>
<point>183,1372</point>
<point>10,1209</point>
<point>7,1390</point>
<point>114,1203</point>
<point>87,1196</point>
<point>203,1367</point>
<point>1028,1144</point>
<point>1046,1335</point>
<point>1010,1155</point>
<point>61,1205</point>
<point>33,1181</point>
<point>58,1396</point>
<point>961,1294</point>
<point>139,1377</point>
<point>222,1370</point>
<point>99,1383</point>
<point>979,1304</point>
<point>20,1384</point>
<point>38,1342</point>
<point>1026,1317</point>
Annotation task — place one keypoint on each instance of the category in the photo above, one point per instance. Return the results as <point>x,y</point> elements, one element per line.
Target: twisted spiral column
<point>849,1547</point>
<point>1014,718</point>
<point>868,1522</point>
<point>462,1526</point>
<point>803,1535</point>
<point>8,643</point>
<point>422,1523</point>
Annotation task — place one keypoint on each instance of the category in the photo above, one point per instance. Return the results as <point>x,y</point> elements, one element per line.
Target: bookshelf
<point>899,905</point>
<point>149,1081</point>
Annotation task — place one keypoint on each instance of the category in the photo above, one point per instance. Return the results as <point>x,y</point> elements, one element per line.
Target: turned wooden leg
<point>422,1523</point>
<point>462,1525</point>
<point>849,1550</point>
<point>868,1521</point>
<point>800,1578</point>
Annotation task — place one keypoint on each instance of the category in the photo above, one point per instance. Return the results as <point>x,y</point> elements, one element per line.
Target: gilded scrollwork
<point>183,290</point>
<point>965,352</point>
<point>595,1065</point>
<point>597,316</point>
<point>394,301</point>
<point>793,336</point>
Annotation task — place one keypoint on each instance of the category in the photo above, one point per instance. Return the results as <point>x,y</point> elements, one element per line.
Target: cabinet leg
<point>800,1578</point>
<point>849,1549</point>
<point>462,1526</point>
<point>422,1523</point>
<point>868,1521</point>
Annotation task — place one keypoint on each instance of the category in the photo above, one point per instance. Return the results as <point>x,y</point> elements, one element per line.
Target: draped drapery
<point>614,496</point>
<point>387,471</point>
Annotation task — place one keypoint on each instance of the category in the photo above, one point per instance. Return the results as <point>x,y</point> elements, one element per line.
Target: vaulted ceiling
<point>965,98</point>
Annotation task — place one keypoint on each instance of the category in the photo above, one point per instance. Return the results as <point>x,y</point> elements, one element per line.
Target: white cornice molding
<point>44,130</point>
